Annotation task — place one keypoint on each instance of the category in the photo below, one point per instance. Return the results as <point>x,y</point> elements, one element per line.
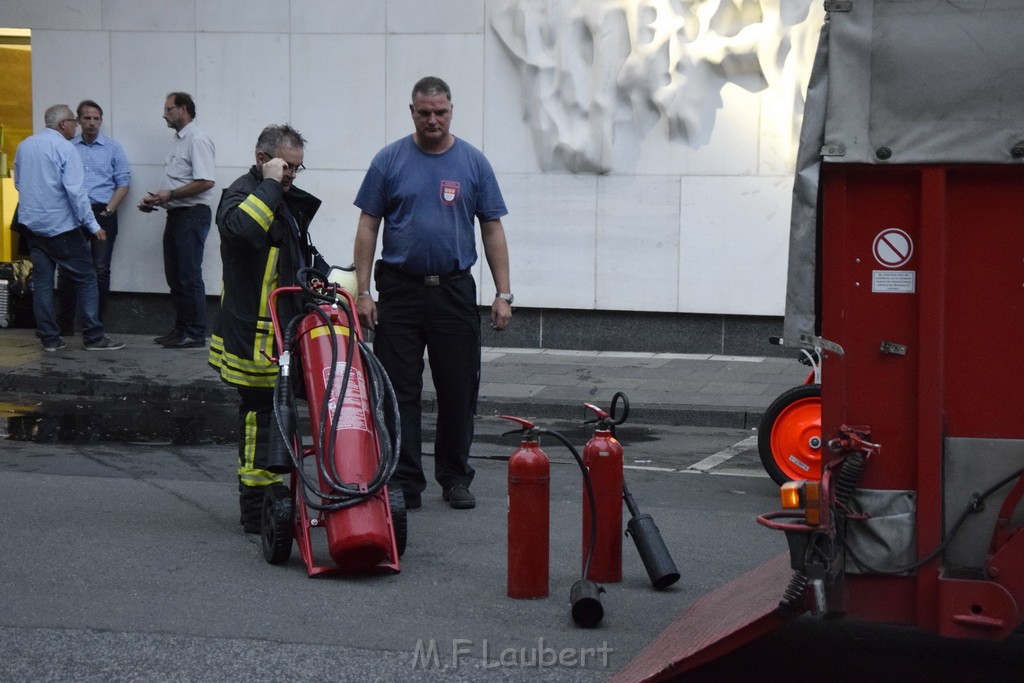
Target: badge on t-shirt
<point>449,191</point>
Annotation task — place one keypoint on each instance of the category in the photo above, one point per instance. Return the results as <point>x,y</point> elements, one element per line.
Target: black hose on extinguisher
<point>383,402</point>
<point>585,595</point>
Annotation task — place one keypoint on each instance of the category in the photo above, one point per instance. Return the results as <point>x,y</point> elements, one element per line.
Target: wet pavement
<point>663,388</point>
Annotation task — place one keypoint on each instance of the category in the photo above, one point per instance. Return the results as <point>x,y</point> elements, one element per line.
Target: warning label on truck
<point>894,281</point>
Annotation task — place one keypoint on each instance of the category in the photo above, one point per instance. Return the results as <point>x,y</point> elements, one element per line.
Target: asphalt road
<point>124,560</point>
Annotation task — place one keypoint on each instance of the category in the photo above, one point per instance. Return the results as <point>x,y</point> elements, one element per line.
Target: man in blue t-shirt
<point>429,188</point>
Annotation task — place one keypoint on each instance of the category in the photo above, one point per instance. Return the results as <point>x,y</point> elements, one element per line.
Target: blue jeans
<point>71,252</point>
<point>184,243</point>
<point>102,251</point>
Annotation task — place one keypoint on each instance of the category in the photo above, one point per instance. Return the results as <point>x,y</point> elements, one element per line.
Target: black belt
<point>183,209</point>
<point>425,280</point>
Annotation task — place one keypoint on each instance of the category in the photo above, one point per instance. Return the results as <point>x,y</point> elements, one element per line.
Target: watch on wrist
<point>507,296</point>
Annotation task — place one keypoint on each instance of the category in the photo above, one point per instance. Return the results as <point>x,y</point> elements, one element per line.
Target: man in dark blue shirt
<point>429,188</point>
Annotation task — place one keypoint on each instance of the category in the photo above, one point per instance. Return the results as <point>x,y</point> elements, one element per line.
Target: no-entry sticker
<point>893,248</point>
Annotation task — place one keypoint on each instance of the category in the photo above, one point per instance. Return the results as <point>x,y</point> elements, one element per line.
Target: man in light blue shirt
<point>52,206</point>
<point>107,179</point>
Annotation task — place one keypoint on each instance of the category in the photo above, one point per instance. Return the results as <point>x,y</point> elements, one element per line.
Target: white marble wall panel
<point>733,146</point>
<point>132,15</point>
<point>457,59</point>
<point>337,98</point>
<point>435,16</point>
<point>551,231</point>
<point>54,81</point>
<point>334,228</point>
<point>242,16</point>
<point>733,245</point>
<point>338,16</point>
<point>138,261</point>
<point>83,15</point>
<point>695,227</point>
<point>241,85</point>
<point>638,220</point>
<point>782,103</point>
<point>507,136</point>
<point>141,76</point>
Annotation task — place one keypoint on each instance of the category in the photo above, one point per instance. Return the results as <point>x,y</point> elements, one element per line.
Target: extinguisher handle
<point>609,418</point>
<point>526,424</point>
<point>601,414</point>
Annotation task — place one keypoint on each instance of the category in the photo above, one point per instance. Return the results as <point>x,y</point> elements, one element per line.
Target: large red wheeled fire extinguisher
<point>529,491</point>
<point>353,416</point>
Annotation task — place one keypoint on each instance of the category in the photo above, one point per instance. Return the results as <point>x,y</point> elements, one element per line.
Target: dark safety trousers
<point>444,320</point>
<point>255,427</point>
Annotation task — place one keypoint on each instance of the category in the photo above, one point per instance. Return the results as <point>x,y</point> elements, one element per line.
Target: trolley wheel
<point>789,437</point>
<point>276,524</point>
<point>399,518</point>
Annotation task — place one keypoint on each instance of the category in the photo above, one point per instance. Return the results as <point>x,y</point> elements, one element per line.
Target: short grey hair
<point>431,85</point>
<point>57,113</point>
<point>272,137</point>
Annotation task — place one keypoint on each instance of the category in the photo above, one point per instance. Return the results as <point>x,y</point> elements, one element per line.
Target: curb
<point>212,390</point>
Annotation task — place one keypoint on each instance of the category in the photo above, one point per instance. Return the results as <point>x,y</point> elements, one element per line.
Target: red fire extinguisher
<point>529,485</point>
<point>359,537</point>
<point>603,458</point>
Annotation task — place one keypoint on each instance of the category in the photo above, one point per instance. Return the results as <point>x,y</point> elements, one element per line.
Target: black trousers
<point>444,320</point>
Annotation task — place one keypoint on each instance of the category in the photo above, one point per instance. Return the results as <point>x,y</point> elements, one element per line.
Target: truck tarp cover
<point>903,82</point>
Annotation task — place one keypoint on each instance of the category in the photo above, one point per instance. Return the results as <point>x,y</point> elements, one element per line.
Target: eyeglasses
<point>288,168</point>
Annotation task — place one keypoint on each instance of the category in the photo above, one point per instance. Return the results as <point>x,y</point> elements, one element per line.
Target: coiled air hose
<point>331,492</point>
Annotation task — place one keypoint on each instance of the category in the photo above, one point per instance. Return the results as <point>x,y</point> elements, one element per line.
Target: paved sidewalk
<point>663,388</point>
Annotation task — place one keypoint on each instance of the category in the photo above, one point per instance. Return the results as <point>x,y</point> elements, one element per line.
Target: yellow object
<point>8,238</point>
<point>803,495</point>
<point>344,278</point>
<point>791,494</point>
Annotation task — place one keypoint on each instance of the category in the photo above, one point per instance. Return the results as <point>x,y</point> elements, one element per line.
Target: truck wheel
<point>789,437</point>
<point>276,524</point>
<point>399,518</point>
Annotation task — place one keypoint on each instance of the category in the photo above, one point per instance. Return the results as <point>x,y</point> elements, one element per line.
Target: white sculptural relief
<point>589,65</point>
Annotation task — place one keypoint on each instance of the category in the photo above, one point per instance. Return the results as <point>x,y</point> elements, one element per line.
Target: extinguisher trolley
<point>907,269</point>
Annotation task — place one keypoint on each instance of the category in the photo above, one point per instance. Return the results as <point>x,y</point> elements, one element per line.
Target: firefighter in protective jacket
<point>263,222</point>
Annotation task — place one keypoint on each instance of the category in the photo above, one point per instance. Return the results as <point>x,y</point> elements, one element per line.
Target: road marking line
<point>724,454</point>
<point>649,468</point>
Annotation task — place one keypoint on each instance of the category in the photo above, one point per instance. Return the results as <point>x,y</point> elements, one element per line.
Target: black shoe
<point>459,497</point>
<point>185,343</point>
<point>170,336</point>
<point>413,500</point>
<point>50,347</point>
<point>104,343</point>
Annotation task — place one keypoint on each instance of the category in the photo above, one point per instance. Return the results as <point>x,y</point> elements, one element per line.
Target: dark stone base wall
<point>538,328</point>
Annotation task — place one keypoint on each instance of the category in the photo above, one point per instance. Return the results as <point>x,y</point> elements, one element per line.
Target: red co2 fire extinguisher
<point>529,487</point>
<point>603,458</point>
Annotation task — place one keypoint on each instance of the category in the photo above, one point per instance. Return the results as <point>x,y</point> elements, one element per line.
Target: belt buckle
<point>431,280</point>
